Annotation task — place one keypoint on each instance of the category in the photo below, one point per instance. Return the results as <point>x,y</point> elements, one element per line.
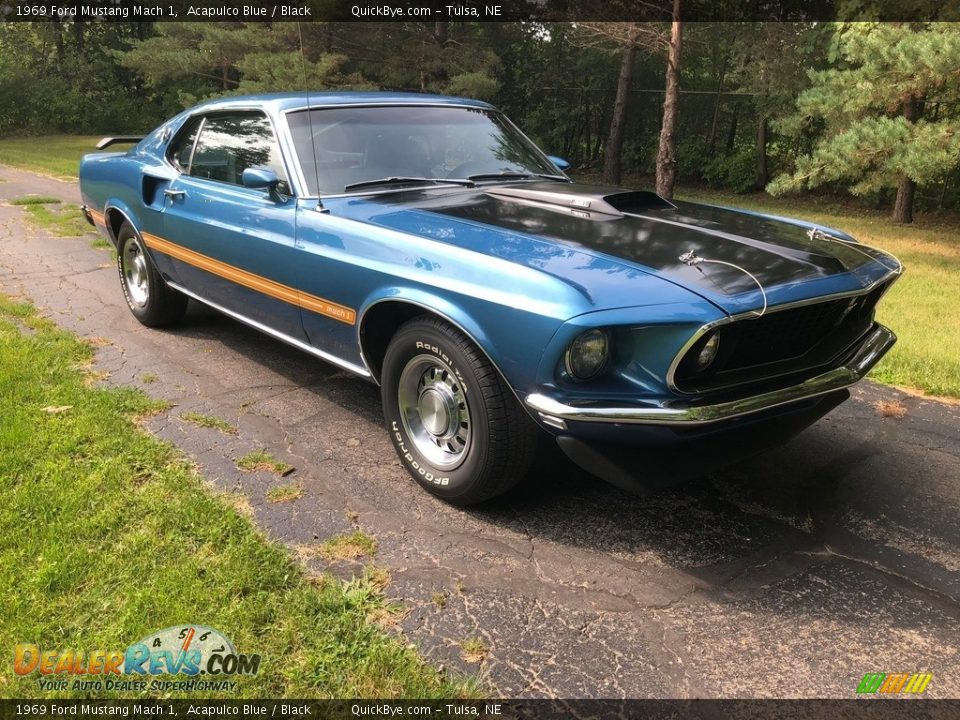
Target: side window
<point>231,143</point>
<point>182,145</point>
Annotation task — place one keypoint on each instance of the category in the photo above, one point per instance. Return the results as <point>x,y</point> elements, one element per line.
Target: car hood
<point>639,229</point>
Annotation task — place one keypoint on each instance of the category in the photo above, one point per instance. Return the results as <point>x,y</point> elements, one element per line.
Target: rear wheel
<point>453,420</point>
<point>149,298</point>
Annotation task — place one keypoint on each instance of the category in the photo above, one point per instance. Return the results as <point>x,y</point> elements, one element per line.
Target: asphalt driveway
<point>790,575</point>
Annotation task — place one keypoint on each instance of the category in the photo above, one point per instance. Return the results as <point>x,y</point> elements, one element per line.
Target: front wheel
<point>454,422</point>
<point>149,298</point>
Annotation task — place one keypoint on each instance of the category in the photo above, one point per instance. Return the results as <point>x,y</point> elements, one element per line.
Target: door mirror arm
<point>262,178</point>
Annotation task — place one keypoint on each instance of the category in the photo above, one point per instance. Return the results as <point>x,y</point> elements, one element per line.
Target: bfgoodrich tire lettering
<point>149,298</point>
<point>454,422</point>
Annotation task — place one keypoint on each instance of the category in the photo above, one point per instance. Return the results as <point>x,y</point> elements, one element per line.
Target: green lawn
<point>60,219</point>
<point>109,535</point>
<point>57,155</point>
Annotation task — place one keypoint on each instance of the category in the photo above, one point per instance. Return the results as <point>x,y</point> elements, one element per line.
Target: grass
<point>890,408</point>
<point>474,650</point>
<point>63,220</point>
<point>35,200</point>
<point>262,460</point>
<point>348,547</point>
<point>207,421</point>
<point>921,306</point>
<point>56,155</point>
<point>284,493</point>
<point>109,535</point>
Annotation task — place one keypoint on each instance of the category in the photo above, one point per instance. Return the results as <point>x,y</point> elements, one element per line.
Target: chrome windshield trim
<point>394,103</point>
<point>384,103</point>
<point>877,343</point>
<point>299,344</point>
<point>305,108</point>
<point>703,329</point>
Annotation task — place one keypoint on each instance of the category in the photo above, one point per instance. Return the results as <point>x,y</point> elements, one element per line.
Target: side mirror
<point>558,161</point>
<point>260,177</point>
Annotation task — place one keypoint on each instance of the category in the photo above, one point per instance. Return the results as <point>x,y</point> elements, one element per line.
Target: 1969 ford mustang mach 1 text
<point>426,244</point>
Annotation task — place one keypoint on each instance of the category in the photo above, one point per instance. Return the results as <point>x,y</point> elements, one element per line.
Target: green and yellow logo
<point>893,683</point>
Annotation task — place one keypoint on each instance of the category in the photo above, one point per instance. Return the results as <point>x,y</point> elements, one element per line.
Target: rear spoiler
<point>119,139</point>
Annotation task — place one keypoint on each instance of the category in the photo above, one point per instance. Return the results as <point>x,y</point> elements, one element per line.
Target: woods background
<point>870,110</point>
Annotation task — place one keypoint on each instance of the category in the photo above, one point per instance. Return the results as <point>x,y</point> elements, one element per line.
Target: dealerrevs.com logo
<point>894,683</point>
<point>204,655</point>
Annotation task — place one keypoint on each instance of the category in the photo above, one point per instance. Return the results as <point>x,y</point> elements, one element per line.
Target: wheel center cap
<point>435,411</point>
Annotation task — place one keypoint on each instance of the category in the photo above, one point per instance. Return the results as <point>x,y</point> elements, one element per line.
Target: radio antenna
<point>313,143</point>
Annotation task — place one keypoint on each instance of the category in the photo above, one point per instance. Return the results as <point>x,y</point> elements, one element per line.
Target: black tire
<point>499,440</point>
<point>149,298</point>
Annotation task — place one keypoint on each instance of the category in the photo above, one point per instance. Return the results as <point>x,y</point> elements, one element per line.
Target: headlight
<point>709,352</point>
<point>587,355</point>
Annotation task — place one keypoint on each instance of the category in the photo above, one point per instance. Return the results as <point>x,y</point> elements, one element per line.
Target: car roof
<point>300,100</point>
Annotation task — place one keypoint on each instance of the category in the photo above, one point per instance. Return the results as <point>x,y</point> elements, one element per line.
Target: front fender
<point>504,334</point>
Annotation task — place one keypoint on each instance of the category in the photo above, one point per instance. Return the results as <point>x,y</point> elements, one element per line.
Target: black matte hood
<point>652,233</point>
<point>657,233</point>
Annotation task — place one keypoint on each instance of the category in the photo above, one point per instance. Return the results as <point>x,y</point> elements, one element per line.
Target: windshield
<point>359,144</point>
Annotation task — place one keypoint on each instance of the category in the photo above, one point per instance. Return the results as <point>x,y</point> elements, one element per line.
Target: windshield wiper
<point>516,176</point>
<point>406,180</point>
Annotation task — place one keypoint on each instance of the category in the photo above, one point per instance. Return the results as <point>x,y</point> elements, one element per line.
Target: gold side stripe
<point>254,282</point>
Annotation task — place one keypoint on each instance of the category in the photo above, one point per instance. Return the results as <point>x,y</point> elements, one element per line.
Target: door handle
<point>174,194</point>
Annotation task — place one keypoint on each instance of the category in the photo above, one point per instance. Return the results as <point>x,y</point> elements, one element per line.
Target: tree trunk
<point>763,177</point>
<point>78,35</point>
<point>667,155</point>
<point>614,149</point>
<point>328,38</point>
<point>58,39</point>
<point>732,132</point>
<point>906,188</point>
<point>903,206</point>
<point>712,138</point>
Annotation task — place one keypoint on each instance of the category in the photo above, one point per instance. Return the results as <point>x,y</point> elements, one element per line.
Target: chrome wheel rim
<point>434,411</point>
<point>135,272</point>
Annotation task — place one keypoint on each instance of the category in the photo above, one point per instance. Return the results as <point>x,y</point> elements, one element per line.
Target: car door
<point>230,245</point>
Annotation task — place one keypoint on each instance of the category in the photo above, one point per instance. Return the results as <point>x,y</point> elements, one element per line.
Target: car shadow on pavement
<point>798,498</point>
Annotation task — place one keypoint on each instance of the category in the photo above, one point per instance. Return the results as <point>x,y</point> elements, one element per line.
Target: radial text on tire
<point>456,425</point>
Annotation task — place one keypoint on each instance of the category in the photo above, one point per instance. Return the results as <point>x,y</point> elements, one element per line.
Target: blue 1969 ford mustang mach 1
<point>426,244</point>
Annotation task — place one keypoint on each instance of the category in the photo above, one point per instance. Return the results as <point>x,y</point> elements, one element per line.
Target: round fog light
<point>709,352</point>
<point>587,354</point>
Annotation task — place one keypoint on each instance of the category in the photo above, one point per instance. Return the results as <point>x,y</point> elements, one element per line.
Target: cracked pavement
<point>791,574</point>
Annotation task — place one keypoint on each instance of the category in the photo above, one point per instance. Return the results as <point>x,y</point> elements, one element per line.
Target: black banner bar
<point>473,10</point>
<point>873,708</point>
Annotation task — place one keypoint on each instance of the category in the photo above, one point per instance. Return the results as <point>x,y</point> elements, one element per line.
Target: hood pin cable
<point>693,260</point>
<point>816,233</point>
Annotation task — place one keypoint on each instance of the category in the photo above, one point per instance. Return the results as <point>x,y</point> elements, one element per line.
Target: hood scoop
<point>583,200</point>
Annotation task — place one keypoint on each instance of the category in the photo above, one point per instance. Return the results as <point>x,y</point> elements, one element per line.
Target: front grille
<point>782,342</point>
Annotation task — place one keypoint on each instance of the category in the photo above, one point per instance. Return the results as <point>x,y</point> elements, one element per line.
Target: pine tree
<point>876,110</point>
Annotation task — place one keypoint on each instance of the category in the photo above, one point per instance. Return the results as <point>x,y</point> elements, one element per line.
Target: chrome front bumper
<point>873,347</point>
